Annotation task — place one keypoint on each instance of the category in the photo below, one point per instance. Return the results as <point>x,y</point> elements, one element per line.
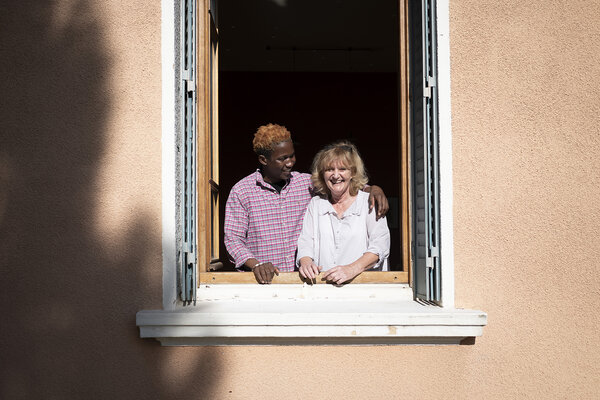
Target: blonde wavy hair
<point>346,154</point>
<point>267,136</point>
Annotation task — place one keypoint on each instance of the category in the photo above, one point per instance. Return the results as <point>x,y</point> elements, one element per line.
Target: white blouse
<point>331,241</point>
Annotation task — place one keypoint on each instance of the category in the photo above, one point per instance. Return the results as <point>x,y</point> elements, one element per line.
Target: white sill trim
<point>309,315</point>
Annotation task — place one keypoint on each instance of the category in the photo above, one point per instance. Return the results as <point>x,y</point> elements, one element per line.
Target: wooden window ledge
<point>375,277</point>
<point>309,315</point>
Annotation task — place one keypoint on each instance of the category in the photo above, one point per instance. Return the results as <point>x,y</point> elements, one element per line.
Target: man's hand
<point>263,272</point>
<point>378,200</point>
<point>308,269</point>
<point>341,274</point>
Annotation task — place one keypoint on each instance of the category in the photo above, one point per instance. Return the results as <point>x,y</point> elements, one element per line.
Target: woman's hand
<point>308,269</point>
<point>341,273</point>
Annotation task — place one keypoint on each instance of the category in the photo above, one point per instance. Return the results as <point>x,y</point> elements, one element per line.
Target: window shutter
<point>188,255</point>
<point>424,139</point>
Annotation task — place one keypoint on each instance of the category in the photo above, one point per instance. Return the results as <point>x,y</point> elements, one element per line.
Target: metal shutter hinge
<point>427,89</point>
<point>190,85</point>
<point>430,261</point>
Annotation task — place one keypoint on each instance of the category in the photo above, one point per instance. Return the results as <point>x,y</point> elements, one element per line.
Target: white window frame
<point>301,314</point>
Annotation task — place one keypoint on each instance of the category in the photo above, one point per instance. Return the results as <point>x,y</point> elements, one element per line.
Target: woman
<point>339,235</point>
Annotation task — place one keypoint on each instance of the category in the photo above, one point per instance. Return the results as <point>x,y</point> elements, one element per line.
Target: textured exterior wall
<point>80,197</point>
<point>80,217</point>
<point>526,142</point>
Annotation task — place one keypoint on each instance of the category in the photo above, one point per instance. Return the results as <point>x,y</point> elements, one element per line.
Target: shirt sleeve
<point>236,230</point>
<point>378,235</point>
<point>307,235</point>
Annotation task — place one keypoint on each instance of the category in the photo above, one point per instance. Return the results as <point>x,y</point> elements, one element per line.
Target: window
<point>201,48</point>
<point>367,313</point>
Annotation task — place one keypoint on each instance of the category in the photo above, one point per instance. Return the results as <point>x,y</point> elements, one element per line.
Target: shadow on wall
<point>68,304</point>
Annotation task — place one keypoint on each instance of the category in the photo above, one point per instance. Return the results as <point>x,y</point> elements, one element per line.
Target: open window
<point>359,314</point>
<point>326,70</point>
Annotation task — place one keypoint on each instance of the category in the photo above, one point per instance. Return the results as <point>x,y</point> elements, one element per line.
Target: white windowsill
<point>302,314</point>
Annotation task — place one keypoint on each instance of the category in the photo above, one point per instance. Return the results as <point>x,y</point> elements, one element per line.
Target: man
<point>264,211</point>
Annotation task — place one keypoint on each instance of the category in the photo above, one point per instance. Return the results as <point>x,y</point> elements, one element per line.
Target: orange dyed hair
<point>267,136</point>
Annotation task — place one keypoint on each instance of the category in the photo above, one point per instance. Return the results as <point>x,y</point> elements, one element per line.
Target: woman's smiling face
<point>337,178</point>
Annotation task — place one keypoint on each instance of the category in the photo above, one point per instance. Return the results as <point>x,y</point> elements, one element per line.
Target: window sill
<point>302,314</point>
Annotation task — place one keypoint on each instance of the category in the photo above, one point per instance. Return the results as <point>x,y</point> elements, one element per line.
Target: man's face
<point>279,166</point>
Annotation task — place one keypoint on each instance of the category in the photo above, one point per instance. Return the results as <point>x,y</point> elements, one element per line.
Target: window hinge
<point>427,89</point>
<point>190,258</point>
<point>189,254</point>
<point>190,85</point>
<point>430,261</point>
<point>188,285</point>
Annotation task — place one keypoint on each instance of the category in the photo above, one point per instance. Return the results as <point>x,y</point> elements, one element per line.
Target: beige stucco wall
<point>80,213</point>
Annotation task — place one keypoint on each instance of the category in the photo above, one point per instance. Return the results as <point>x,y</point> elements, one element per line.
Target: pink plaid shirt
<point>263,224</point>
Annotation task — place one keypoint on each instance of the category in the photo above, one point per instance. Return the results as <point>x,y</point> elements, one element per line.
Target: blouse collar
<point>355,208</point>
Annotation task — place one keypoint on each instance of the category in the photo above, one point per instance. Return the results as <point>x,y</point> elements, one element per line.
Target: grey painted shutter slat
<point>188,257</point>
<point>425,152</point>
